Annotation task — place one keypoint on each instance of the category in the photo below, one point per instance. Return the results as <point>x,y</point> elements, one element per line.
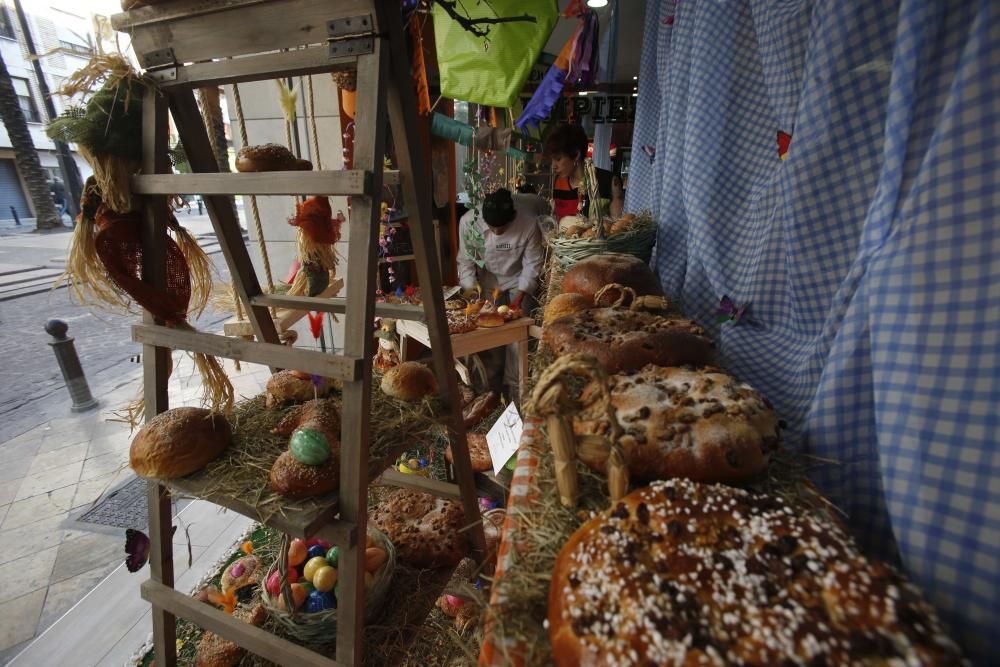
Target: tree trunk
<point>25,155</point>
<point>211,112</point>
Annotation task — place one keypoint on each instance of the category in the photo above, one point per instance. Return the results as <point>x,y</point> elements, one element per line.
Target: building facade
<point>63,36</point>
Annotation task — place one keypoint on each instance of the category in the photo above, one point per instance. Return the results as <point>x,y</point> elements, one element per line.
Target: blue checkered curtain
<point>870,256</point>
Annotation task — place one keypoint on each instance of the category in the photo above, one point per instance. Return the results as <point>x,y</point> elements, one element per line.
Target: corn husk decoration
<point>318,232</point>
<point>104,264</point>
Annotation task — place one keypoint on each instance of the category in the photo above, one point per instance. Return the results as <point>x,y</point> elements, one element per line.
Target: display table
<point>515,332</point>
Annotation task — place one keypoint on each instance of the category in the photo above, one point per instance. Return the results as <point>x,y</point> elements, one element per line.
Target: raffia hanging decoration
<point>318,233</point>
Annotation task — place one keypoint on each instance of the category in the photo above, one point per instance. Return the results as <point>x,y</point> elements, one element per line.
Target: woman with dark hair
<point>566,147</point>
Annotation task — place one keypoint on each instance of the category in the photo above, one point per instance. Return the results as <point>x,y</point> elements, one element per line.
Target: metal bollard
<point>17,220</point>
<point>69,364</point>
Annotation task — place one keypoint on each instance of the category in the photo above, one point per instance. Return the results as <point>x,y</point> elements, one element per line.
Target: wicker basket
<point>638,242</point>
<point>321,627</point>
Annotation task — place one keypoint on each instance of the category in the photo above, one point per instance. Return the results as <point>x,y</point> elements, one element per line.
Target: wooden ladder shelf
<point>188,44</point>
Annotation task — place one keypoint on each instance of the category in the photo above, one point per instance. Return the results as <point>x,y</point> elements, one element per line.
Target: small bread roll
<point>562,305</point>
<point>291,387</point>
<point>297,480</point>
<point>490,320</point>
<point>179,442</point>
<point>409,381</point>
<point>269,157</point>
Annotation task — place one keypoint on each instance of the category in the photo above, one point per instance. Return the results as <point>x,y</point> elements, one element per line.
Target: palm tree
<point>25,155</point>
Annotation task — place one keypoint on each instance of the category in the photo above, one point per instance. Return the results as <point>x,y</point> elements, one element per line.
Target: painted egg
<point>405,469</point>
<point>274,583</point>
<point>413,463</point>
<point>317,550</point>
<point>423,463</point>
<point>237,570</point>
<point>297,552</point>
<point>454,601</point>
<point>375,557</point>
<point>299,595</point>
<point>319,601</point>
<point>333,556</point>
<point>316,541</point>
<point>325,579</point>
<point>503,310</point>
<point>309,587</point>
<point>294,574</point>
<point>312,565</point>
<point>309,446</point>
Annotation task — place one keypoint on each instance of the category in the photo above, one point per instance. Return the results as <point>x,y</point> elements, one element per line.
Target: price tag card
<point>505,437</point>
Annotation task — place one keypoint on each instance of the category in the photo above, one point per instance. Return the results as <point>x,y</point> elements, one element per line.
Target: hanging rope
<point>253,199</point>
<point>312,122</point>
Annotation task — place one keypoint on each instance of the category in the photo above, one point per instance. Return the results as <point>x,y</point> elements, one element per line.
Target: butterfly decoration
<point>784,141</point>
<point>650,152</point>
<point>669,19</point>
<point>137,548</point>
<point>728,311</point>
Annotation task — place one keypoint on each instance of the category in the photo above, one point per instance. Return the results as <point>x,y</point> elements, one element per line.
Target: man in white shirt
<point>500,245</point>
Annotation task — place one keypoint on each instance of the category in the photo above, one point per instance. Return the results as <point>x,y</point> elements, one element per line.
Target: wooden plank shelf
<point>268,354</point>
<point>346,182</point>
<point>397,311</point>
<point>301,518</point>
<point>263,643</point>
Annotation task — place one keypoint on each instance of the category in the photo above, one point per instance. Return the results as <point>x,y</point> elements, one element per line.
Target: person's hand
<point>469,294</point>
<point>516,303</point>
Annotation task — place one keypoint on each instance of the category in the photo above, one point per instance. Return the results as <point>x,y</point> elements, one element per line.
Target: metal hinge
<point>160,65</point>
<point>352,36</point>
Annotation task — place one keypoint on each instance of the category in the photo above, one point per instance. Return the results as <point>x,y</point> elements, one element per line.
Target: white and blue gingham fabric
<point>870,256</point>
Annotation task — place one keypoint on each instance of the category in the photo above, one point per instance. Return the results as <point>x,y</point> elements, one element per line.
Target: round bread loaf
<point>424,529</point>
<point>589,275</point>
<point>682,573</point>
<point>322,415</point>
<point>565,304</point>
<point>409,381</point>
<point>490,320</point>
<point>214,651</point>
<point>683,422</point>
<point>291,387</point>
<point>293,479</point>
<point>479,453</point>
<point>250,568</point>
<point>179,442</point>
<point>627,340</point>
<point>269,157</point>
<point>480,408</point>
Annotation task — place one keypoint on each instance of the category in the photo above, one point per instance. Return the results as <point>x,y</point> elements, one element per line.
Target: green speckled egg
<point>308,446</point>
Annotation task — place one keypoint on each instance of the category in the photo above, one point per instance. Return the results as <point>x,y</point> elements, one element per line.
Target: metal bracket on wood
<point>352,36</point>
<point>160,65</point>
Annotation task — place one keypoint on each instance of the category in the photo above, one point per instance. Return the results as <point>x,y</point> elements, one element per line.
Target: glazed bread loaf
<point>409,381</point>
<point>295,480</point>
<point>490,320</point>
<point>627,340</point>
<point>682,573</point>
<point>479,408</point>
<point>179,442</point>
<point>565,304</point>
<point>682,422</point>
<point>292,387</point>
<point>424,529</point>
<point>479,453</point>
<point>589,275</point>
<point>269,157</point>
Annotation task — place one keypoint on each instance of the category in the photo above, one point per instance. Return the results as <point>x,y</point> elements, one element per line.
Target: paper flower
<point>315,324</point>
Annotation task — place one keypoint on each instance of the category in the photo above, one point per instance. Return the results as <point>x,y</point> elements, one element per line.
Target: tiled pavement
<point>48,477</point>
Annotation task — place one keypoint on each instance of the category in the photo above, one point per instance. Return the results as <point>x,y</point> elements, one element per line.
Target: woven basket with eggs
<point>313,619</point>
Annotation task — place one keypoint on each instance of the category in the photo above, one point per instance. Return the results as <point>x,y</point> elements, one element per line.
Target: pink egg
<point>237,570</point>
<point>274,583</point>
<point>454,601</point>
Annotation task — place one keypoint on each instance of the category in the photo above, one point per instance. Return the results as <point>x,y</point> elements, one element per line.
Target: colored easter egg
<point>313,541</point>
<point>333,556</point>
<point>309,446</point>
<point>414,464</point>
<point>316,550</point>
<point>274,583</point>
<point>299,595</point>
<point>312,565</point>
<point>297,552</point>
<point>405,469</point>
<point>325,579</point>
<point>237,570</point>
<point>309,587</point>
<point>375,557</point>
<point>320,601</point>
<point>423,463</point>
<point>454,601</point>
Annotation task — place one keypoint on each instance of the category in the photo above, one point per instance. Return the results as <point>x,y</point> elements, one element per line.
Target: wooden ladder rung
<point>345,182</point>
<point>268,354</point>
<point>397,311</point>
<point>257,640</point>
<point>420,483</point>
